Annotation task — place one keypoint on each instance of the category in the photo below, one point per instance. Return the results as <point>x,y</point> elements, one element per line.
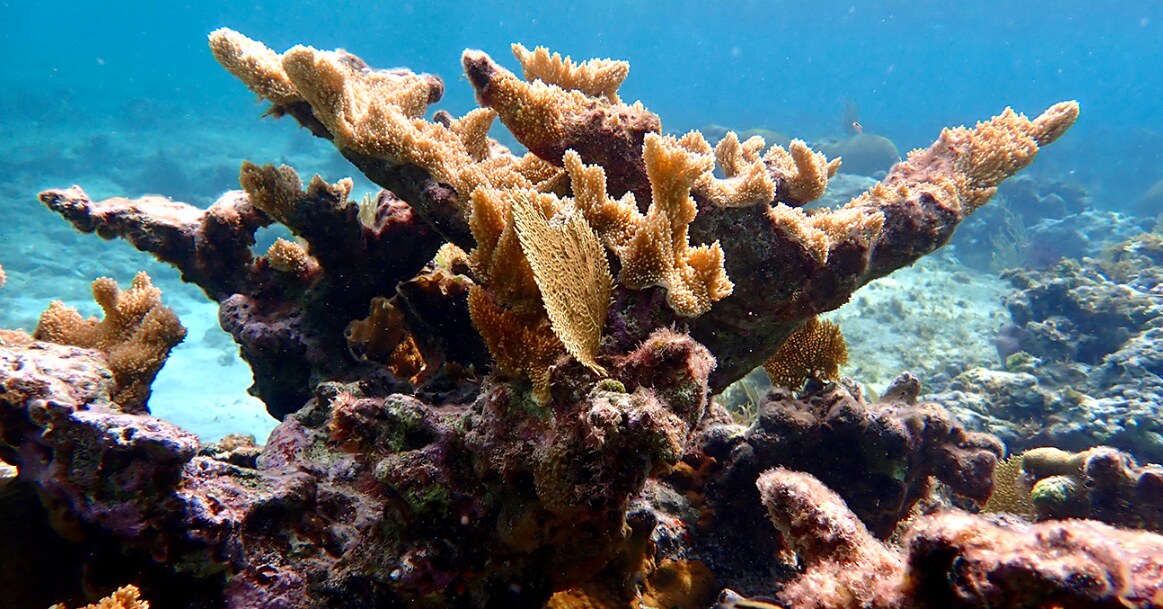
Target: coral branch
<point>845,566</point>
<point>659,252</point>
<point>548,120</point>
<point>799,264</point>
<point>596,77</point>
<point>413,465</point>
<point>137,335</point>
<point>211,247</point>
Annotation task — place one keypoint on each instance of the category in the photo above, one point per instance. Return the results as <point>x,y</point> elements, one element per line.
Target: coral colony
<point>495,376</point>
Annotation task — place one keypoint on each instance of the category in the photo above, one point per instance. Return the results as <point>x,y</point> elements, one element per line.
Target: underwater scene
<point>688,305</point>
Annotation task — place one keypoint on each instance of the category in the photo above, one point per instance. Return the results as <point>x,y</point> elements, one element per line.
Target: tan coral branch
<point>137,334</point>
<point>746,178</point>
<point>615,220</point>
<point>257,66</point>
<point>374,113</point>
<point>125,597</point>
<point>802,172</point>
<point>659,253</point>
<point>594,77</point>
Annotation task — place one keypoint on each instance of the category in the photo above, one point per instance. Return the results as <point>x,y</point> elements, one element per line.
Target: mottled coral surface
<point>528,413</point>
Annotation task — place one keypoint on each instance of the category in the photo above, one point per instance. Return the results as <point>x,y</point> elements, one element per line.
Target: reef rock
<point>1084,367</point>
<point>480,368</point>
<point>955,559</point>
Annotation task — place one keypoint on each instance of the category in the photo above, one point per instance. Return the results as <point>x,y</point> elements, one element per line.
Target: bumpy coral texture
<point>659,252</point>
<point>128,597</point>
<point>595,77</point>
<point>880,455</point>
<point>1100,483</point>
<point>290,257</point>
<point>830,540</point>
<point>452,483</point>
<point>136,334</point>
<point>954,559</point>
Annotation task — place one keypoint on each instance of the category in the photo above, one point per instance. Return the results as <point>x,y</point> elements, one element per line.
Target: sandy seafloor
<point>935,319</point>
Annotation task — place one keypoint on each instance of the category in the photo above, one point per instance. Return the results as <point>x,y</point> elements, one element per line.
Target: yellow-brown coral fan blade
<point>813,262</point>
<point>278,191</point>
<point>570,266</point>
<point>498,261</point>
<point>983,156</point>
<point>594,77</point>
<point>548,120</point>
<point>378,114</point>
<point>815,351</point>
<point>358,106</point>
<point>659,252</point>
<point>290,257</point>
<point>473,129</point>
<point>373,115</point>
<point>343,89</point>
<point>802,172</point>
<point>137,334</point>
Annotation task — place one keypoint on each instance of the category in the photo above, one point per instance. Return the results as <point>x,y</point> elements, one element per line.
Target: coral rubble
<point>495,375</point>
<point>1082,359</point>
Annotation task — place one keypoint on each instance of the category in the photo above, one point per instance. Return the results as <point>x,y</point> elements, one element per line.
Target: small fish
<point>857,128</point>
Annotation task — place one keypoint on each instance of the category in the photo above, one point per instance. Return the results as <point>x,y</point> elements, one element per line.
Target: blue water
<point>124,97</point>
<point>912,67</point>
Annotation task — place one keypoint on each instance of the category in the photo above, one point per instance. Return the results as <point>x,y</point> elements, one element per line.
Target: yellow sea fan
<point>815,351</point>
<point>571,270</point>
<point>1011,493</point>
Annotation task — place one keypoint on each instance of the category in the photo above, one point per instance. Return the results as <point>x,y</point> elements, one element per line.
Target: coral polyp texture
<point>122,598</point>
<point>496,374</point>
<point>136,334</point>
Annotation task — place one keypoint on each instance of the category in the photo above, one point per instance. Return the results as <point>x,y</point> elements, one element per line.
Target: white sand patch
<point>935,317</point>
<point>203,385</point>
